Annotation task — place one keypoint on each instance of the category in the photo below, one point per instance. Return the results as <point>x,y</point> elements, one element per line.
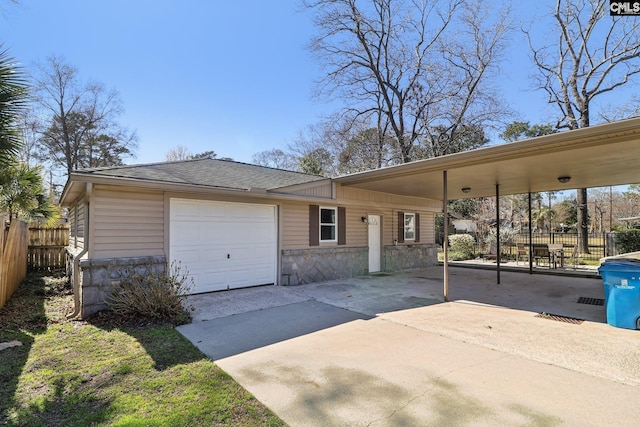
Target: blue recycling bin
<point>621,278</point>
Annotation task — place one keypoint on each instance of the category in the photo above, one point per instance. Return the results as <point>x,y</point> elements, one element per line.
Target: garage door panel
<point>186,209</point>
<point>186,256</point>
<point>209,282</point>
<point>253,236</point>
<point>259,276</point>
<point>215,256</point>
<point>212,213</point>
<point>256,253</point>
<point>190,232</point>
<point>224,245</point>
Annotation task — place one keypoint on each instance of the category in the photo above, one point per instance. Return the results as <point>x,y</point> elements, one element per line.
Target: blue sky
<point>230,76</point>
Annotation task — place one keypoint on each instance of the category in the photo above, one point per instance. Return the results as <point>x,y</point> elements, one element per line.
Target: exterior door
<point>375,243</point>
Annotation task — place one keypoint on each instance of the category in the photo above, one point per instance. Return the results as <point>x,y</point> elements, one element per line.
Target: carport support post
<point>445,239</point>
<point>498,253</point>
<point>530,239</point>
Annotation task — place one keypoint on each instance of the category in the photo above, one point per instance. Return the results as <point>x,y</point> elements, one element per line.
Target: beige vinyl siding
<point>127,222</point>
<point>322,189</point>
<point>295,223</point>
<point>131,222</point>
<point>357,231</point>
<point>76,224</point>
<point>81,222</point>
<point>428,230</point>
<point>374,197</point>
<point>73,225</point>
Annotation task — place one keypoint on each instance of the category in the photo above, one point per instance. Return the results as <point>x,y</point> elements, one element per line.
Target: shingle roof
<point>207,172</point>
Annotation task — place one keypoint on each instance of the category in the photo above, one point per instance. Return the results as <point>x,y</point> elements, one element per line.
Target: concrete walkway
<point>386,351</point>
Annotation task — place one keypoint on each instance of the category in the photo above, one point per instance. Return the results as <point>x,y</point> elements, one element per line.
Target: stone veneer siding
<point>99,276</point>
<point>405,257</point>
<point>300,266</point>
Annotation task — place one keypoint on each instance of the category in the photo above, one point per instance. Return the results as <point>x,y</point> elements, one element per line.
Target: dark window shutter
<point>417,228</point>
<point>314,225</point>
<point>400,227</point>
<point>342,226</point>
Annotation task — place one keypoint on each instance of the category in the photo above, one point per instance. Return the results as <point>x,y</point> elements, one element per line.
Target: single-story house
<point>233,225</point>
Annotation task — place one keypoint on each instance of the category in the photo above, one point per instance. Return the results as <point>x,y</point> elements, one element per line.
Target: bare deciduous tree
<point>178,153</point>
<point>78,125</point>
<point>594,55</point>
<point>418,68</point>
<point>28,127</point>
<point>275,158</point>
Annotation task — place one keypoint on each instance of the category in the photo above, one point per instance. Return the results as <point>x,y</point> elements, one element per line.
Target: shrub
<point>507,234</point>
<point>155,296</point>
<point>459,256</point>
<point>628,241</point>
<point>463,245</point>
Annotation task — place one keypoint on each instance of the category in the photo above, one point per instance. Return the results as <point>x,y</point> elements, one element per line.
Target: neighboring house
<point>234,225</point>
<point>465,225</point>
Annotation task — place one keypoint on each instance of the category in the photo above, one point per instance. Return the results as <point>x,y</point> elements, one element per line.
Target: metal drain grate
<point>559,318</point>
<point>591,301</point>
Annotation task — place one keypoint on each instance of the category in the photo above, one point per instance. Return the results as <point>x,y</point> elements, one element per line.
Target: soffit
<point>593,157</point>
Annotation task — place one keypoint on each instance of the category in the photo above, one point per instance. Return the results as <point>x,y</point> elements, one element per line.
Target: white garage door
<point>224,245</point>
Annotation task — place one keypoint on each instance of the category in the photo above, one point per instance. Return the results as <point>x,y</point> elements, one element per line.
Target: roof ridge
<point>141,165</point>
<point>269,167</point>
<point>136,165</point>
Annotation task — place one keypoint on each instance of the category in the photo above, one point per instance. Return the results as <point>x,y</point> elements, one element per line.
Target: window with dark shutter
<point>400,227</point>
<point>328,224</point>
<point>417,239</point>
<point>409,226</point>
<point>314,225</point>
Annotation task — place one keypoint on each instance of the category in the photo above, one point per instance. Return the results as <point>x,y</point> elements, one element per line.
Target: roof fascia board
<point>186,188</point>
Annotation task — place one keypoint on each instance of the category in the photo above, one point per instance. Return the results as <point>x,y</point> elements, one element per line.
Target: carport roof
<point>593,157</point>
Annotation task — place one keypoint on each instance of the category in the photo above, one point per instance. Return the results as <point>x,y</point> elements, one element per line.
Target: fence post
<point>610,240</point>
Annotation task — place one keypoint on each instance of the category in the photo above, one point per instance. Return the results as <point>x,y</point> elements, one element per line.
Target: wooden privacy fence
<point>13,258</point>
<point>46,248</point>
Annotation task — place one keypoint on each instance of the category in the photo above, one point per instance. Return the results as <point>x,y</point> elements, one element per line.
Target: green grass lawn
<point>104,372</point>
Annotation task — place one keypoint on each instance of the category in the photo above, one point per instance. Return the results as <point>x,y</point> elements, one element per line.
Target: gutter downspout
<point>76,259</point>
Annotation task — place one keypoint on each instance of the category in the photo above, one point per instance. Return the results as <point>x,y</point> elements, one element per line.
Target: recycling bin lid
<point>629,259</point>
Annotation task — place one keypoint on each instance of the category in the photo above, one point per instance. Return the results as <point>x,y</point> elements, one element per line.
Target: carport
<point>596,156</point>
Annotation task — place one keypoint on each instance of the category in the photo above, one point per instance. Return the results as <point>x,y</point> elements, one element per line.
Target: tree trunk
<point>583,221</point>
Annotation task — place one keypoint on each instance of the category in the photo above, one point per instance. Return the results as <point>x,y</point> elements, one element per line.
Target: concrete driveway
<point>387,351</point>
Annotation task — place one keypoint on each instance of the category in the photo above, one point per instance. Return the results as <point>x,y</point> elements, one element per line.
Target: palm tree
<point>22,195</point>
<point>13,97</point>
<point>542,217</point>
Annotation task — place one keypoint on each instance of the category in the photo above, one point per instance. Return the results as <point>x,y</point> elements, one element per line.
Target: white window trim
<point>335,224</point>
<point>405,226</point>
